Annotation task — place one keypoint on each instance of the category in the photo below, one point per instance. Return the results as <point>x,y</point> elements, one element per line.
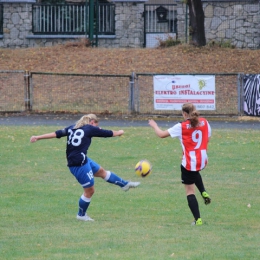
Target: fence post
<point>91,20</point>
<point>27,102</point>
<point>137,94</point>
<point>240,91</point>
<point>86,19</point>
<point>186,25</point>
<point>131,93</point>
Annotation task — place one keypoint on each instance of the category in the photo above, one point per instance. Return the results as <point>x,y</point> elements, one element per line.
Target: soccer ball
<point>143,168</point>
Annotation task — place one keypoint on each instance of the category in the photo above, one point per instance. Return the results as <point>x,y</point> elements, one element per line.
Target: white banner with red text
<point>172,91</point>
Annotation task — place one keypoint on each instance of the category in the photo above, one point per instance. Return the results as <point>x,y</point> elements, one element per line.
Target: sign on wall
<point>251,83</point>
<point>172,91</point>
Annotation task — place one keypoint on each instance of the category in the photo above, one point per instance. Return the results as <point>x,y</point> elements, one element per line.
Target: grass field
<point>39,200</point>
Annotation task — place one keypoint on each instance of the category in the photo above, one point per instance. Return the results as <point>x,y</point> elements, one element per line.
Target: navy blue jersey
<point>79,140</point>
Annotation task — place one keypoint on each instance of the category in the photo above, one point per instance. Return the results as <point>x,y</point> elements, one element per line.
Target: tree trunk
<point>196,29</point>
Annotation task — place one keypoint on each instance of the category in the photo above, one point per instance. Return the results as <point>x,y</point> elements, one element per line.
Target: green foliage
<point>39,199</point>
<point>221,44</point>
<point>168,42</point>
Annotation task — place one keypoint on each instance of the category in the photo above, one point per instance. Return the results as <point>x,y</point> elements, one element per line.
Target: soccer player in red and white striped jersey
<point>194,134</point>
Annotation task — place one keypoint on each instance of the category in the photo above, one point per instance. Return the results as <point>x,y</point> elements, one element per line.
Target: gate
<point>160,22</point>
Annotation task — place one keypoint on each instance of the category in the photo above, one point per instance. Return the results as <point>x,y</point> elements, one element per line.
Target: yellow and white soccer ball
<point>143,168</point>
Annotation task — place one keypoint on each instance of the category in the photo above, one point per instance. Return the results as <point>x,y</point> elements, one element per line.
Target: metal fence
<point>103,94</point>
<point>74,93</point>
<point>72,19</point>
<point>228,95</point>
<point>1,18</point>
<point>160,22</point>
<point>12,91</point>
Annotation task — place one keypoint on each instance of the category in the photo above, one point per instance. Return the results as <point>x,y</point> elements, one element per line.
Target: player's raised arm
<point>35,138</point>
<point>118,133</point>
<point>159,132</point>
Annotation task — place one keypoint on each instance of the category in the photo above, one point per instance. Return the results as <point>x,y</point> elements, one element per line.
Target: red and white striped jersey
<point>194,142</point>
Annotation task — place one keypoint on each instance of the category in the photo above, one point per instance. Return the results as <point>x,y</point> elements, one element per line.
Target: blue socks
<point>113,178</point>
<point>83,205</point>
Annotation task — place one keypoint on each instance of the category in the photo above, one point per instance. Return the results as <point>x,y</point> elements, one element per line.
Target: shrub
<point>168,42</point>
<point>222,44</point>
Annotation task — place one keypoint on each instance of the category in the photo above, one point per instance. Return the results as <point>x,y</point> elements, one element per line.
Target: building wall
<point>17,28</point>
<point>238,22</point>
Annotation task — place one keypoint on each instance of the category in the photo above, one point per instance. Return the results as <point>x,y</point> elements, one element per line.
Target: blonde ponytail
<point>85,120</point>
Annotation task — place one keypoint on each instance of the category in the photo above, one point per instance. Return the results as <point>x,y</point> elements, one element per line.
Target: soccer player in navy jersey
<point>194,134</point>
<point>82,167</point>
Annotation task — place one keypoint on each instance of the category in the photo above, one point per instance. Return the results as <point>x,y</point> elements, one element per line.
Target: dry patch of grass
<point>77,58</point>
<point>248,118</point>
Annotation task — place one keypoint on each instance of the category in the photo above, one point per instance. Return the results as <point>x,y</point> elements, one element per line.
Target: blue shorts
<point>84,174</point>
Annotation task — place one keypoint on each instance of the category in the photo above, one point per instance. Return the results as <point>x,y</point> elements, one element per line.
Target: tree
<point>197,28</point>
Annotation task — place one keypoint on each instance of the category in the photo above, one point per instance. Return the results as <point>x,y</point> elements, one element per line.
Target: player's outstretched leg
<point>125,185</point>
<point>129,185</point>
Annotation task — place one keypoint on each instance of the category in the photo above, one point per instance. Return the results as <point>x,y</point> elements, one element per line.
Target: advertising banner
<point>251,83</point>
<point>171,92</point>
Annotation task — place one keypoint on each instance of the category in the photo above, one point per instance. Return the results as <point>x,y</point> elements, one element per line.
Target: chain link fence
<point>103,94</point>
<point>74,93</point>
<point>227,96</point>
<point>12,91</point>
